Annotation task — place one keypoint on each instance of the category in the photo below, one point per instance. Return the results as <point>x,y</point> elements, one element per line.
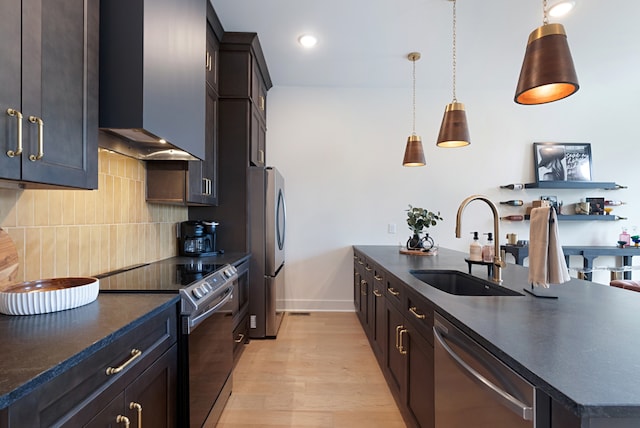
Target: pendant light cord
<point>455,100</point>
<point>414,98</point>
<point>545,17</point>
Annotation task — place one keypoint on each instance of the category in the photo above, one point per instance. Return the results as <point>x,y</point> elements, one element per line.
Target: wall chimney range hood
<point>139,144</point>
<point>152,78</point>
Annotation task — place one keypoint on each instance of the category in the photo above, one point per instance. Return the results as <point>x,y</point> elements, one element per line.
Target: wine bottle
<point>516,186</point>
<point>513,217</point>
<point>513,202</point>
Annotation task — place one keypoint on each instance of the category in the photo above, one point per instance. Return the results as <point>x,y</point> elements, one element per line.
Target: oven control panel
<point>229,271</point>
<point>200,291</point>
<point>198,295</point>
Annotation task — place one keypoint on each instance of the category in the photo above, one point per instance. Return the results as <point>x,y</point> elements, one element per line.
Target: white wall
<point>340,150</point>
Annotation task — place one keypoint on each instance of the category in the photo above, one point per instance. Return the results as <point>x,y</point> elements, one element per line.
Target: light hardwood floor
<point>319,372</point>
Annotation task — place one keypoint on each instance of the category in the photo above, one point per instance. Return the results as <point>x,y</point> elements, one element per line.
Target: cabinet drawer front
<point>379,282</point>
<point>420,314</point>
<point>395,292</point>
<point>240,337</point>
<point>66,392</point>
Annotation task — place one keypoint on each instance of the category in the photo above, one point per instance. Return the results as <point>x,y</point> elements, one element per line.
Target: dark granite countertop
<point>37,348</point>
<point>582,349</point>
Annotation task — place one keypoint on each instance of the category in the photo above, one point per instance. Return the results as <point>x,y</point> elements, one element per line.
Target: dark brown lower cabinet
<point>419,384</point>
<point>360,290</point>
<point>143,400</point>
<point>92,394</point>
<point>409,370</point>
<point>377,316</point>
<point>398,326</point>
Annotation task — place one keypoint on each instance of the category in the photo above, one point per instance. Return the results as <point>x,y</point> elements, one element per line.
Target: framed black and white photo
<point>596,205</point>
<point>562,161</point>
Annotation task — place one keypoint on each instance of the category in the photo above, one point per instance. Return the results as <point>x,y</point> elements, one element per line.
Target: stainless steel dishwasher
<point>475,389</point>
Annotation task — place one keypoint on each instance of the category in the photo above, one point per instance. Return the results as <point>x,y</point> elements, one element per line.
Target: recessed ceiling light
<point>307,40</point>
<point>561,8</point>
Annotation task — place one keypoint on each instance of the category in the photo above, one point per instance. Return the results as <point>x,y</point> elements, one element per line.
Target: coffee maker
<point>197,238</point>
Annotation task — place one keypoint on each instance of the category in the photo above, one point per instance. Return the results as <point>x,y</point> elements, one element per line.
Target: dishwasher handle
<point>518,407</point>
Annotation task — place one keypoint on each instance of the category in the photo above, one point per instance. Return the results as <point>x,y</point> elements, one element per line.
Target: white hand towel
<point>546,258</point>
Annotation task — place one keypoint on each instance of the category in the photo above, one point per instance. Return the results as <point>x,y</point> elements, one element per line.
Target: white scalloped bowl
<point>48,295</point>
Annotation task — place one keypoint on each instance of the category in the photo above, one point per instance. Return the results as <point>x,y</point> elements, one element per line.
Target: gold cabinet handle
<point>40,122</point>
<point>123,420</point>
<point>240,338</point>
<point>261,155</point>
<point>377,277</point>
<point>415,313</point>
<point>377,293</point>
<point>360,262</point>
<point>368,268</point>
<point>207,63</point>
<point>135,353</point>
<point>401,347</point>
<point>263,104</point>
<point>393,291</point>
<point>15,113</point>
<point>363,287</point>
<point>398,328</point>
<point>138,408</point>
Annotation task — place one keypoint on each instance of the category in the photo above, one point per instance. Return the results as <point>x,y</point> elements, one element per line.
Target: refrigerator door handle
<point>281,211</point>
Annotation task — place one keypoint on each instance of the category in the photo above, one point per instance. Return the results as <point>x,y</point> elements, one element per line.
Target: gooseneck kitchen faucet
<point>498,259</point>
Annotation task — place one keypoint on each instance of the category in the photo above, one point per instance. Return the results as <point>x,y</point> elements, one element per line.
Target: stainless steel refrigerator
<point>267,225</point>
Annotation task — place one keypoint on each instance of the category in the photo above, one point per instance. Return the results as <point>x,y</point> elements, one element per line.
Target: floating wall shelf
<point>582,217</point>
<point>574,185</point>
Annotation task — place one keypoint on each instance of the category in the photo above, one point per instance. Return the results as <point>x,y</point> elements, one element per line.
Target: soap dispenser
<point>475,249</point>
<point>487,249</point>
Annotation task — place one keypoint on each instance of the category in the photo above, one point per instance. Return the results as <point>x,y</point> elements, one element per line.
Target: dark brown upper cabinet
<point>243,75</point>
<point>49,93</point>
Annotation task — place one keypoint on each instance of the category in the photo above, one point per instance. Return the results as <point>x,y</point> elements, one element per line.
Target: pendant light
<point>561,7</point>
<point>547,72</point>
<point>454,130</point>
<point>413,153</point>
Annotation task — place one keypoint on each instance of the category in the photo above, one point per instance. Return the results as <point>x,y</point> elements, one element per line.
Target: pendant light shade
<point>413,152</point>
<point>547,72</point>
<point>454,131</point>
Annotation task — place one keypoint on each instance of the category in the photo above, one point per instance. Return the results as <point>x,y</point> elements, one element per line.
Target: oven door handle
<point>194,322</point>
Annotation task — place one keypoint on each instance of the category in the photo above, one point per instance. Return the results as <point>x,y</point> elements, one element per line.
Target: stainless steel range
<point>206,339</point>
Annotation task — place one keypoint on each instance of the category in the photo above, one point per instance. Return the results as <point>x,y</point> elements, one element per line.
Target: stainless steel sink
<point>461,284</point>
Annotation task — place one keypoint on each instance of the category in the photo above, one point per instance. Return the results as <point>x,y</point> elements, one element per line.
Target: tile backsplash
<point>85,232</point>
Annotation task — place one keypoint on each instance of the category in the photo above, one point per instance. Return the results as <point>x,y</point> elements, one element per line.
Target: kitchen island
<point>582,350</point>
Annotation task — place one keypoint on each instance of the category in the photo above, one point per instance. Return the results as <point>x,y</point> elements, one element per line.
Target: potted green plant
<point>419,219</point>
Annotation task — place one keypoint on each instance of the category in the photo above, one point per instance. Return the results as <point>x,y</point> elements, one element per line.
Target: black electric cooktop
<point>165,276</point>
